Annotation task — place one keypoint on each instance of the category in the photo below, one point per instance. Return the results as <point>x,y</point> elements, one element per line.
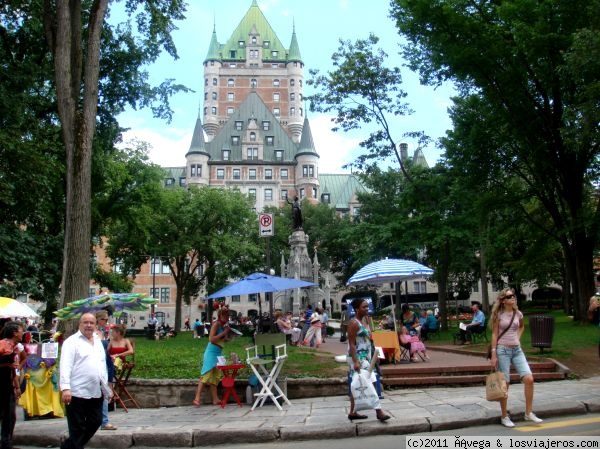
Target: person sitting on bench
<point>476,326</point>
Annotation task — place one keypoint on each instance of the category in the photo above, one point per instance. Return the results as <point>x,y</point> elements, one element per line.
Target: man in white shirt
<point>83,382</point>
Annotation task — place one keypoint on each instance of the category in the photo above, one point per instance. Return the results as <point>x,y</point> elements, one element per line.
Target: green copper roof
<point>419,159</point>
<point>253,22</point>
<point>294,53</point>
<point>198,143</point>
<point>307,144</point>
<point>252,108</point>
<point>341,188</point>
<point>214,50</point>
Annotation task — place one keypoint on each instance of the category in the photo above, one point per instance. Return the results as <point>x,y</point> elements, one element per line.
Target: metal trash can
<point>541,328</point>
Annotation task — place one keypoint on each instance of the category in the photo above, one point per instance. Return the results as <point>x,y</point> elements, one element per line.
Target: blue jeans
<point>508,355</point>
<point>104,412</point>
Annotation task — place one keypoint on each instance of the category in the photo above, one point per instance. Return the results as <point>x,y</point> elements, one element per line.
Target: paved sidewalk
<point>412,410</point>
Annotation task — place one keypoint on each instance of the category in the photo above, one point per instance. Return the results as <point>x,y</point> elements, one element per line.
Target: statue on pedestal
<point>296,213</point>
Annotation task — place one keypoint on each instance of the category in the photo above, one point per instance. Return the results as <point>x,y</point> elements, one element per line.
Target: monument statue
<point>296,213</point>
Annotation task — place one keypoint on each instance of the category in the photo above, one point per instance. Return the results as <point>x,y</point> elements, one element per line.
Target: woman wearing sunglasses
<point>507,327</point>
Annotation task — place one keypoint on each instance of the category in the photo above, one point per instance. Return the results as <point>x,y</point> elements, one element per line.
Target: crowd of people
<point>89,357</point>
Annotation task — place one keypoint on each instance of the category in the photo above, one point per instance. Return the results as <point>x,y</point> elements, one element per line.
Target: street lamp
<point>153,268</point>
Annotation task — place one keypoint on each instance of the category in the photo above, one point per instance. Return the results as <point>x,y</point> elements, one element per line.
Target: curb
<point>183,437</point>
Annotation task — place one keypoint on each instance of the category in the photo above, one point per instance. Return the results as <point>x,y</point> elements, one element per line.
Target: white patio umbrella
<point>11,308</point>
<point>389,270</point>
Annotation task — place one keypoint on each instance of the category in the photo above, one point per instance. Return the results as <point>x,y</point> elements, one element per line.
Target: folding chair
<point>121,395</point>
<point>260,362</point>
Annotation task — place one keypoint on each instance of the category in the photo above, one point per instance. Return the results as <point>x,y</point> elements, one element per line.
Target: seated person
<point>431,325</point>
<point>404,338</point>
<point>406,341</point>
<point>417,347</point>
<point>477,324</point>
<point>285,325</point>
<point>409,319</point>
<point>387,322</point>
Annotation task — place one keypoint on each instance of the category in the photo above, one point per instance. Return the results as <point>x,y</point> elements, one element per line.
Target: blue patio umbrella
<point>259,283</point>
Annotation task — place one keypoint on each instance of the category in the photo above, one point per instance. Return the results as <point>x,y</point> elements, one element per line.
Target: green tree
<point>205,235</point>
<point>536,65</point>
<point>362,90</point>
<point>75,32</point>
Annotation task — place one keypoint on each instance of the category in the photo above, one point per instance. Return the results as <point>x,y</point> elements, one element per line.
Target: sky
<point>320,24</point>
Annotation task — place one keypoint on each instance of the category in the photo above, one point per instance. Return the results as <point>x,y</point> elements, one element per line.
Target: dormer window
<point>266,125</point>
<point>266,44</point>
<point>254,40</point>
<point>326,198</point>
<point>226,154</point>
<point>232,54</point>
<point>239,125</point>
<point>241,43</point>
<point>252,137</point>
<point>274,54</point>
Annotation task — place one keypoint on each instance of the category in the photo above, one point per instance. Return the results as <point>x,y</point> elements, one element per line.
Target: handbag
<point>495,386</point>
<point>363,391</point>
<point>488,352</point>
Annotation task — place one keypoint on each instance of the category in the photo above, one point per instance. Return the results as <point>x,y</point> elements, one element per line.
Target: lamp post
<point>153,268</point>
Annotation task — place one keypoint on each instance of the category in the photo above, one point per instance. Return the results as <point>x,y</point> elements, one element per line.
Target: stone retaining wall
<point>173,393</point>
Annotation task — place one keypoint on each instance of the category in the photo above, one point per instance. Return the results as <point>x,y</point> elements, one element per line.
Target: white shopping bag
<point>363,391</point>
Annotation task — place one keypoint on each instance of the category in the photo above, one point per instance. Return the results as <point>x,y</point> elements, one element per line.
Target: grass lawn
<point>180,357</point>
<point>567,336</point>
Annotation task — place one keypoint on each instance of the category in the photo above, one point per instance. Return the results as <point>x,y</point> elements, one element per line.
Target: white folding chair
<point>259,363</point>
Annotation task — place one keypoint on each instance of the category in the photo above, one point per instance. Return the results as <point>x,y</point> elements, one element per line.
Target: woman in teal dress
<point>360,352</point>
<point>210,374</point>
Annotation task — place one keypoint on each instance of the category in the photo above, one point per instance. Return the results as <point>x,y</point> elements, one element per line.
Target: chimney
<point>403,152</point>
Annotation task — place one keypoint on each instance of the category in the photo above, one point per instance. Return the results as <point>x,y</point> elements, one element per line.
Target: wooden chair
<point>122,396</point>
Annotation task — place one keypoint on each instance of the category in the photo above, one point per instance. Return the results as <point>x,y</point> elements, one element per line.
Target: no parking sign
<point>265,225</point>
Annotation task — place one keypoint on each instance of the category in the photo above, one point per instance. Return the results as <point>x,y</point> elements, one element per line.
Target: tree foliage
<point>74,32</point>
<point>361,90</point>
<point>533,64</point>
<point>205,235</point>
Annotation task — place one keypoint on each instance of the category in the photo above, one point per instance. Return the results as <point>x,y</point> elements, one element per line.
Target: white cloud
<point>168,145</point>
<point>335,148</point>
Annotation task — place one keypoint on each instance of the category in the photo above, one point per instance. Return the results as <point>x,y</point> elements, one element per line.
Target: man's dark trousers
<point>84,417</point>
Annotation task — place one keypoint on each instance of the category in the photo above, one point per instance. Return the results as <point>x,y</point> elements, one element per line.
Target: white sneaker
<point>506,422</point>
<point>531,417</point>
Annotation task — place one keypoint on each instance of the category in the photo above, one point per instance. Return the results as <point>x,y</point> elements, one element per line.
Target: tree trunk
<point>442,272</point>
<point>74,76</point>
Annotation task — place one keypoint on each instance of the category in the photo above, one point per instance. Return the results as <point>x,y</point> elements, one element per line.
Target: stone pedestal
<point>299,266</point>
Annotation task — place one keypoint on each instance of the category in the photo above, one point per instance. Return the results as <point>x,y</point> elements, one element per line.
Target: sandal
<point>355,415</point>
<point>196,403</point>
<point>108,427</point>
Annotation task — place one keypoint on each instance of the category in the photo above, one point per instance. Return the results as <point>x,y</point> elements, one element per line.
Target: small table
<point>228,382</point>
<point>388,340</point>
